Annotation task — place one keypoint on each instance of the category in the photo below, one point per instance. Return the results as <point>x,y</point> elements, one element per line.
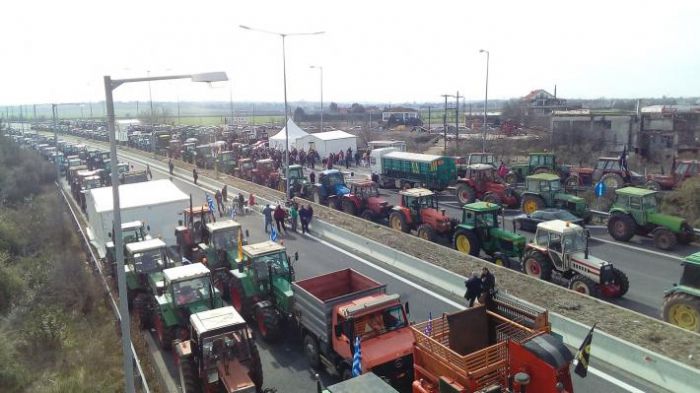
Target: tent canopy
<point>328,142</point>
<point>278,141</point>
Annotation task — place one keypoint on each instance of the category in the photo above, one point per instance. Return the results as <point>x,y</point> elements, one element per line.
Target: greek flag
<point>357,359</point>
<point>233,211</point>
<point>429,327</point>
<point>210,202</point>
<point>273,234</point>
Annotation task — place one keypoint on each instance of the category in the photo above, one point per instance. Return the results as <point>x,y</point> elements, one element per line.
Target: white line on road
<point>631,247</point>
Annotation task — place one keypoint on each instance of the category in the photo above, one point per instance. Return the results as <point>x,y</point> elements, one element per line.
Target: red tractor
<point>684,169</point>
<point>244,169</point>
<point>481,182</point>
<point>364,200</point>
<point>192,231</point>
<point>265,173</point>
<point>607,171</point>
<point>418,210</point>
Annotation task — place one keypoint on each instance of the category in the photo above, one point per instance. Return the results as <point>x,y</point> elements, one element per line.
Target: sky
<point>371,51</point>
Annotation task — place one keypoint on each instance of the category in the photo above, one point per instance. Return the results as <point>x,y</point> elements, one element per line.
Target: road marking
<point>615,381</point>
<point>631,247</point>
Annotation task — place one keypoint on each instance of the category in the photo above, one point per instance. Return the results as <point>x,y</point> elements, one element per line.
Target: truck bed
<point>315,297</point>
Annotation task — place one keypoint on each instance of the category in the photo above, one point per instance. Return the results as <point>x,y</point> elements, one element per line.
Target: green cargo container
<point>400,169</point>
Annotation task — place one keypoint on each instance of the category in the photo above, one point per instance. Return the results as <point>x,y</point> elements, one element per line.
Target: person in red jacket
<point>279,216</point>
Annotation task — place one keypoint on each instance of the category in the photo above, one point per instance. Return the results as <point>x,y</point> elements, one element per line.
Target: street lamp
<point>110,86</point>
<point>284,73</point>
<point>320,68</point>
<point>486,101</point>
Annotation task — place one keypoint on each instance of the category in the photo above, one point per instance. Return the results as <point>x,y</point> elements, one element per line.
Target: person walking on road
<point>312,177</point>
<point>194,175</point>
<point>219,203</point>
<point>148,172</point>
<point>267,213</point>
<point>171,166</point>
<point>224,193</point>
<point>473,285</point>
<point>241,202</point>
<point>304,218</point>
<point>279,215</point>
<point>294,214</point>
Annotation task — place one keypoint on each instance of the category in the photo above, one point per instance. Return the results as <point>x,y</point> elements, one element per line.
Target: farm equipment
<point>537,163</point>
<point>561,247</point>
<point>396,169</point>
<point>244,169</point>
<point>330,186</point>
<point>175,149</point>
<point>607,171</point>
<point>299,184</point>
<point>685,169</point>
<point>682,302</point>
<point>176,294</point>
<point>87,183</point>
<point>132,232</point>
<point>192,231</point>
<point>204,156</point>
<point>334,309</point>
<point>481,182</point>
<point>226,162</point>
<point>418,210</point>
<point>479,230</point>
<point>635,212</point>
<point>544,190</point>
<point>219,252</point>
<point>188,151</point>
<point>220,356</point>
<point>265,173</point>
<point>364,200</point>
<point>260,286</point>
<point>140,260</point>
<point>509,348</point>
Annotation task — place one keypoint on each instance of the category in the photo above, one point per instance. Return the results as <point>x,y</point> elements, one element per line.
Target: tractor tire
<point>621,227</point>
<point>531,203</point>
<point>317,197</point>
<point>536,264</point>
<point>164,335</point>
<point>465,193</point>
<point>398,221</point>
<point>502,260</point>
<point>612,181</point>
<point>686,235</point>
<point>189,376</point>
<point>426,232</point>
<point>492,198</point>
<point>652,185</point>
<point>237,297</point>
<point>268,321</point>
<point>255,371</point>
<point>683,310</point>
<point>349,207</point>
<point>142,311</point>
<point>664,239</point>
<point>467,242</point>
<point>311,351</point>
<point>621,280</point>
<point>584,285</point>
<point>367,215</point>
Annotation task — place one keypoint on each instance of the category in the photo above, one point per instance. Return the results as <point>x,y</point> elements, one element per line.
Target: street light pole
<point>486,101</point>
<point>321,70</point>
<point>153,128</point>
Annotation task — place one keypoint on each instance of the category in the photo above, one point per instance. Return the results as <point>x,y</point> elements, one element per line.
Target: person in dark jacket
<point>195,175</point>
<point>473,285</point>
<point>304,217</point>
<point>488,287</point>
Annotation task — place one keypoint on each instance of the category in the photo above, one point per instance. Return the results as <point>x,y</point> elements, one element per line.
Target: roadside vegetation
<point>57,334</point>
<point>684,202</point>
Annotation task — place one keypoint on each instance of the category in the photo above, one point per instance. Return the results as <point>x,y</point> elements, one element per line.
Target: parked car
<point>528,222</point>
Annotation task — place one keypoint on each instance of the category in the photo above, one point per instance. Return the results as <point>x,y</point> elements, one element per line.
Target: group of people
<point>304,214</point>
<point>481,287</point>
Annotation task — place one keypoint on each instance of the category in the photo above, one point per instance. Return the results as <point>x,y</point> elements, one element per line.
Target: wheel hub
<point>685,317</point>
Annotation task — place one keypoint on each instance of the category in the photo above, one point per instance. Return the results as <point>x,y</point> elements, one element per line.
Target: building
<point>542,103</point>
<point>612,129</point>
<point>327,142</point>
<point>400,114</point>
<point>667,131</point>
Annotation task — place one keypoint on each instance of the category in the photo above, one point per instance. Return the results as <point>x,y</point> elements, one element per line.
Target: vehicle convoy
<point>364,200</point>
<point>479,230</point>
<point>336,308</point>
<point>685,169</point>
<point>132,232</point>
<point>299,184</point>
<point>418,210</point>
<point>396,169</point>
<point>635,212</point>
<point>220,356</point>
<point>260,286</point>
<point>330,188</point>
<point>562,248</point>
<point>176,294</point>
<point>509,349</point>
<point>682,302</point>
<point>544,190</point>
<point>481,182</point>
<point>607,171</point>
<point>537,163</point>
<point>142,259</point>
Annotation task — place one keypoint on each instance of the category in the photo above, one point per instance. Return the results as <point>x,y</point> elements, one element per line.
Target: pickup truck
<point>336,308</point>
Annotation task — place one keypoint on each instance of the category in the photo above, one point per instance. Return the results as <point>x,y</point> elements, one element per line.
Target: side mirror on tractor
<point>338,330</point>
<point>296,255</point>
<point>407,308</point>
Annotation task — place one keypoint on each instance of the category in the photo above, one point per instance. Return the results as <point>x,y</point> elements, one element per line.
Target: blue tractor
<point>330,188</point>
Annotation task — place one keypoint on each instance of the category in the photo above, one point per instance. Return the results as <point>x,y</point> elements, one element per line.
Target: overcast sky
<point>372,51</point>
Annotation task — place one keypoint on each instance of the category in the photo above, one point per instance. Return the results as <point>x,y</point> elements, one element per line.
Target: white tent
<point>278,141</point>
<point>328,142</point>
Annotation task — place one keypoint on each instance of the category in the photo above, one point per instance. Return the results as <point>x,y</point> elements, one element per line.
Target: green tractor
<point>536,163</point>
<point>544,190</point>
<point>479,230</point>
<point>682,302</point>
<point>177,293</point>
<point>226,162</point>
<point>132,231</point>
<point>298,183</point>
<point>260,288</point>
<point>220,250</point>
<point>635,212</point>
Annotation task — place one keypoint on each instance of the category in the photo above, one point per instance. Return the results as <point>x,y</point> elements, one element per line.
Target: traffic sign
<point>600,189</point>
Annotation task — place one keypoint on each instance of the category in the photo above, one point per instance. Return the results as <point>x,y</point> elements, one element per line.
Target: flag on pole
<point>357,359</point>
<point>273,234</point>
<point>584,353</point>
<point>210,202</point>
<point>623,161</point>
<point>502,170</point>
<point>240,245</point>
<point>429,327</point>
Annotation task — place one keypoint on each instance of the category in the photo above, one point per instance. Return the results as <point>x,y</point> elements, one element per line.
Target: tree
<point>333,107</point>
<point>299,114</point>
<point>357,108</point>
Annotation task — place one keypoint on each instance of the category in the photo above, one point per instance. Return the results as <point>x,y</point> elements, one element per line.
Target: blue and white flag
<point>210,202</point>
<point>429,327</point>
<point>273,234</point>
<point>233,212</point>
<point>357,359</point>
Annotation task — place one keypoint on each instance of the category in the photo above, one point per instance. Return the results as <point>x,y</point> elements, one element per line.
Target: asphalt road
<point>286,368</point>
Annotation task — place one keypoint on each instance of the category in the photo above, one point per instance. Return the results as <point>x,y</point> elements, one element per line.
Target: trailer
<point>335,309</point>
<point>396,169</point>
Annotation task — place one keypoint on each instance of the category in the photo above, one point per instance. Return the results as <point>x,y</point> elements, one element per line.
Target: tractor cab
<point>544,190</point>
<point>186,290</point>
<point>226,161</point>
<point>193,229</point>
<point>264,173</point>
<point>142,259</point>
<point>221,244</point>
<point>220,355</point>
<point>364,189</point>
<point>418,209</point>
<point>132,232</point>
<point>244,169</point>
<point>639,202</point>
<point>298,183</point>
<point>482,158</point>
<point>187,151</point>
<point>416,200</point>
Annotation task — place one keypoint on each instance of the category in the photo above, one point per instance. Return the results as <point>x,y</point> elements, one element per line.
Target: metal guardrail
<point>112,301</point>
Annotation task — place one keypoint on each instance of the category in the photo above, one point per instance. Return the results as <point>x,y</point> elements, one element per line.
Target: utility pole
<point>444,124</point>
<point>429,127</point>
<point>457,122</point>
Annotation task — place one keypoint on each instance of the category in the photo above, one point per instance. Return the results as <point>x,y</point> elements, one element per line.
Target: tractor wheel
<point>349,207</point>
<point>612,181</point>
<point>311,351</point>
<point>664,239</point>
<point>367,215</point>
<point>317,197</point>
<point>571,184</point>
<point>531,203</point>
<point>425,232</point>
<point>652,185</point>
<point>538,265</point>
<point>268,322</point>
<point>492,198</point>
<point>465,193</point>
<point>621,227</point>
<point>237,296</point>
<point>682,310</point>
<point>255,372</point>
<point>686,235</point>
<point>621,280</point>
<point>142,310</point>
<point>584,285</point>
<point>164,334</point>
<point>398,221</point>
<point>189,375</point>
<point>467,242</point>
<point>502,260</point>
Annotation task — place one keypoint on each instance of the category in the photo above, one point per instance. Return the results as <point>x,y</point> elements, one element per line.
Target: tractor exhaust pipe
<point>588,236</point>
<point>191,218</point>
